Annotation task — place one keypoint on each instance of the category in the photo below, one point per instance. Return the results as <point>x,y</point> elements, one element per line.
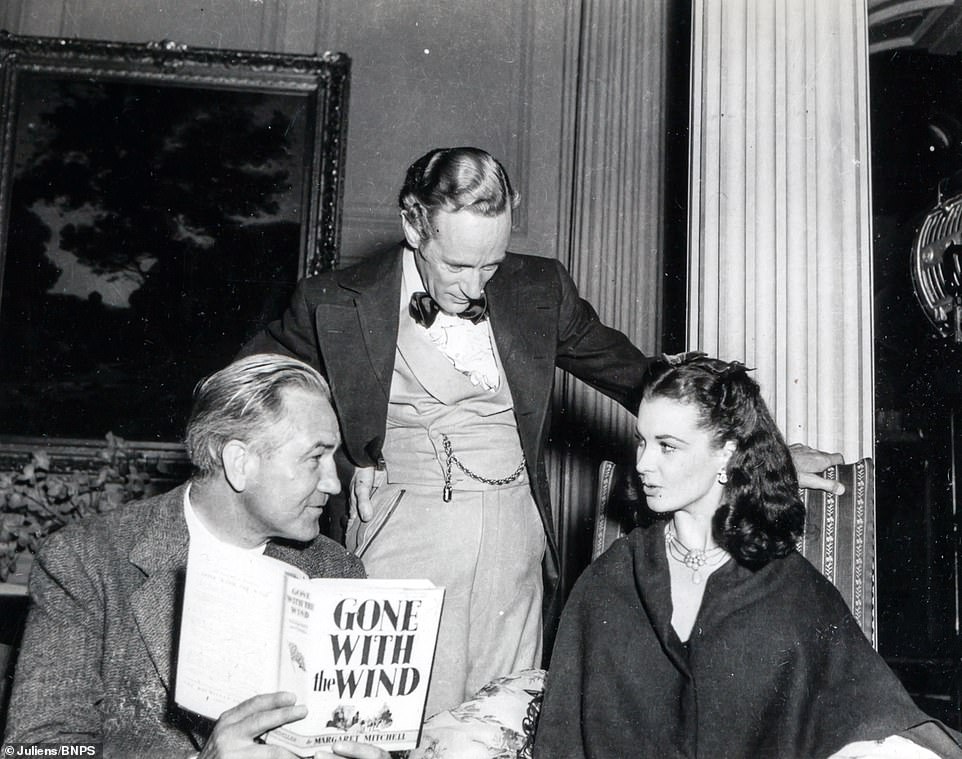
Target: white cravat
<point>466,345</point>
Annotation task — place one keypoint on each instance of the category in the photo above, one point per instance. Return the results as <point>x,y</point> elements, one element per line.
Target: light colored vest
<point>430,399</point>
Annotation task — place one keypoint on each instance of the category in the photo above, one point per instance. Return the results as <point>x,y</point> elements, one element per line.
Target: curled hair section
<point>761,515</point>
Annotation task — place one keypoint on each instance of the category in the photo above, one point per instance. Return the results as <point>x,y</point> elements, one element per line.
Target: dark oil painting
<point>151,228</point>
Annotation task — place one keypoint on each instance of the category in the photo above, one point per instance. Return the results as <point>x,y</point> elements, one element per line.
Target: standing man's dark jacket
<point>345,323</point>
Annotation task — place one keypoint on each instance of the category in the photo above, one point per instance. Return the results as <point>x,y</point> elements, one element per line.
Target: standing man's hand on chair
<point>810,463</point>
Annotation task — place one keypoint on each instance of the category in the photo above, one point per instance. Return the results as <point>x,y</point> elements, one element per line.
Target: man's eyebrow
<point>322,445</point>
<point>465,264</point>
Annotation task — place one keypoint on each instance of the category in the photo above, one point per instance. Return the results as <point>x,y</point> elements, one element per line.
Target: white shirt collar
<point>410,278</point>
<point>201,537</point>
<point>467,346</point>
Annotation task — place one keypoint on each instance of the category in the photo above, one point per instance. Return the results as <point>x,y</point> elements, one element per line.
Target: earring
<point>722,476</point>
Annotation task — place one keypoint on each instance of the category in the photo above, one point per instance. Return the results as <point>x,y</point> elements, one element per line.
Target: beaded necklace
<point>694,559</point>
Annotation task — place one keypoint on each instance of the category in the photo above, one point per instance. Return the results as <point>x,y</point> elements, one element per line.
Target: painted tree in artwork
<point>165,206</point>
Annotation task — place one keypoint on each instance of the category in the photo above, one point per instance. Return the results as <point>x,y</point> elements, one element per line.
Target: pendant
<point>693,559</point>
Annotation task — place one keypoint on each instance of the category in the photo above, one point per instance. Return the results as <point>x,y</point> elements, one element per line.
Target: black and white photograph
<point>631,329</point>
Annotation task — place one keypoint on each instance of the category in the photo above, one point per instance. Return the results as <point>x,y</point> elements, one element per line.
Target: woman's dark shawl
<point>777,667</point>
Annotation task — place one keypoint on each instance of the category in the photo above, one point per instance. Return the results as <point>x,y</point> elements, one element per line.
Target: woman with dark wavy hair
<point>707,634</point>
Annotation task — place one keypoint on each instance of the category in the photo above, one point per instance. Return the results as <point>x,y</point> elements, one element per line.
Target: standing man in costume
<point>441,357</point>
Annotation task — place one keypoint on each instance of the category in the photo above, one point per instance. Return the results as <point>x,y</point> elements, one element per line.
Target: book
<point>358,653</point>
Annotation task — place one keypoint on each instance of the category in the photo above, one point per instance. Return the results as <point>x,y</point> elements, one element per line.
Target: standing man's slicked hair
<point>454,179</point>
<point>240,401</point>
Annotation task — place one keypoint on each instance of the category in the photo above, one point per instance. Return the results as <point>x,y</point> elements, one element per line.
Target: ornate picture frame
<point>157,205</point>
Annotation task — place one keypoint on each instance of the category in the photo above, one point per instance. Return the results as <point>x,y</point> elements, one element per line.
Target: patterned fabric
<point>498,723</point>
<point>839,538</point>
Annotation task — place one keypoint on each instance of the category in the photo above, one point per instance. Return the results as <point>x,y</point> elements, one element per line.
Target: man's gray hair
<point>452,179</point>
<point>240,401</point>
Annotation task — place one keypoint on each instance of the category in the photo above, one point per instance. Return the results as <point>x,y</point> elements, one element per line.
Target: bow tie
<point>424,309</point>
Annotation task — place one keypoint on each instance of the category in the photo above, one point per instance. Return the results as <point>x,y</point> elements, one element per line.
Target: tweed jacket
<point>97,658</point>
<point>345,323</point>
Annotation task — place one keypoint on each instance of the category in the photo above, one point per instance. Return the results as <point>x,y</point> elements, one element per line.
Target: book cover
<point>358,653</point>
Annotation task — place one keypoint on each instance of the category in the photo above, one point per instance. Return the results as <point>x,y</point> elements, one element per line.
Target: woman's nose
<point>641,461</point>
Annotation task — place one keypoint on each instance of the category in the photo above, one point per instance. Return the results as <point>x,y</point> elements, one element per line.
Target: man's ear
<point>240,464</point>
<point>411,234</point>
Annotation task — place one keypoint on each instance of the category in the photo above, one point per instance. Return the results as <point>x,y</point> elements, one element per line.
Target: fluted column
<point>615,237</point>
<point>780,269</point>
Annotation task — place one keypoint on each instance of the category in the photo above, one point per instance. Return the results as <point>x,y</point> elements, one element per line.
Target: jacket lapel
<point>376,291</point>
<point>524,324</point>
<point>161,554</point>
<point>358,319</point>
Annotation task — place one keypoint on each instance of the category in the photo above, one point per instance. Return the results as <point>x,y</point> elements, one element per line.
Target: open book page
<point>231,619</point>
<point>358,653</point>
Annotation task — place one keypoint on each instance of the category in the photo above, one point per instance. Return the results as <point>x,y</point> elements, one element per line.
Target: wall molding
<point>369,206</point>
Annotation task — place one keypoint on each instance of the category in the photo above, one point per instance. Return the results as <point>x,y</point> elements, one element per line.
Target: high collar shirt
<point>466,345</point>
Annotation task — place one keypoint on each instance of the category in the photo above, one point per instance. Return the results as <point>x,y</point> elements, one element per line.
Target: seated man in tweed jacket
<point>99,648</point>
